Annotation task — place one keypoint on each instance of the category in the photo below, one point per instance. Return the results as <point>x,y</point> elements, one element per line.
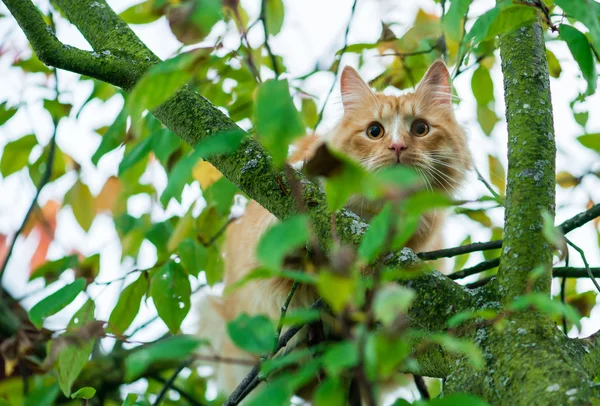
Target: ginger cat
<point>417,129</point>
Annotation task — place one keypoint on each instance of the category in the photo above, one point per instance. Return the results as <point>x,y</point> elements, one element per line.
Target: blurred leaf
<point>339,357</point>
<point>183,229</point>
<point>391,301</point>
<point>295,317</point>
<point>582,53</point>
<point>453,20</point>
<point>55,302</point>
<point>281,239</point>
<point>461,260</point>
<point>277,120</point>
<point>128,305</point>
<point>583,302</point>
<point>57,109</point>
<point>170,289</point>
<point>373,242</point>
<point>459,318</point>
<point>566,180</point>
<point>134,154</point>
<point>15,155</point>
<point>130,399</point>
<point>206,174</point>
<point>456,399</point>
<point>585,11</point>
<point>113,137</point>
<point>310,113</point>
<point>220,195</point>
<point>33,65</point>
<point>255,334</point>
<point>193,256</point>
<point>51,270</point>
<point>482,86</point>
<point>84,393</point>
<point>336,290</point>
<point>274,393</point>
<point>554,68</point>
<point>545,304</point>
<point>82,202</point>
<point>502,19</point>
<point>73,358</point>
<point>214,267</point>
<point>192,20</point>
<point>42,396</point>
<point>460,346</point>
<point>497,174</point>
<point>169,349</point>
<point>164,143</point>
<point>275,12</point>
<point>384,354</point>
<point>330,393</point>
<point>159,84</point>
<point>553,234</point>
<point>6,113</point>
<point>108,197</point>
<point>591,141</point>
<point>141,13</point>
<point>487,119</point>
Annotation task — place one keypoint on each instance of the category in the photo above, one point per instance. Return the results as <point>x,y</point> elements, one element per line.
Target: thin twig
<point>587,266</point>
<point>171,380</point>
<point>483,266</point>
<point>487,185</point>
<point>566,227</point>
<point>43,181</point>
<point>182,392</point>
<point>407,54</point>
<point>263,18</point>
<point>284,309</point>
<point>337,68</point>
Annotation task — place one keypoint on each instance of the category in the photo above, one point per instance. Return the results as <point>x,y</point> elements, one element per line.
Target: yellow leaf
<point>9,366</point>
<point>566,180</point>
<point>337,290</point>
<point>497,174</point>
<point>206,174</point>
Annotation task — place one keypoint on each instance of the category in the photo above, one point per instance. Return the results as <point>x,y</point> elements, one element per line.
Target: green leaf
<point>330,393</point>
<point>130,399</point>
<point>220,195</point>
<point>6,113</point>
<point>582,53</point>
<point>274,393</point>
<point>141,13</point>
<point>482,86</point>
<point>15,155</point>
<point>586,11</point>
<point>164,143</point>
<point>81,201</point>
<point>452,22</point>
<point>113,137</point>
<point>297,317</point>
<point>255,334</point>
<point>487,119</point>
<point>497,174</point>
<point>373,241</point>
<point>57,109</point>
<point>391,301</point>
<point>275,12</point>
<point>55,302</point>
<point>581,118</point>
<point>339,357</point>
<point>310,113</point>
<point>174,348</point>
<point>84,393</point>
<point>170,289</point>
<point>278,122</point>
<point>456,399</point>
<point>502,19</point>
<point>159,84</point>
<point>224,142</point>
<point>51,270</point>
<point>192,20</point>
<point>554,68</point>
<point>193,256</point>
<point>134,154</point>
<point>73,358</point>
<point>546,304</point>
<point>281,239</point>
<point>459,318</point>
<point>128,305</point>
<point>591,141</point>
<point>336,290</point>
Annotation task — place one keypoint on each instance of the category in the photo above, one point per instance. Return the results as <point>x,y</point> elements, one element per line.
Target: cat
<point>416,129</point>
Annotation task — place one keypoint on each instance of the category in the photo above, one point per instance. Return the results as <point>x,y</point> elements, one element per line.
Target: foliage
<point>372,335</point>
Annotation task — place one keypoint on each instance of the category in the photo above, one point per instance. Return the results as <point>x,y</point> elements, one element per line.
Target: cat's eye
<point>375,130</point>
<point>419,128</point>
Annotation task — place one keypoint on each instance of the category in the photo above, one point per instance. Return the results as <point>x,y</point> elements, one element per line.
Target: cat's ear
<point>355,91</point>
<point>435,85</point>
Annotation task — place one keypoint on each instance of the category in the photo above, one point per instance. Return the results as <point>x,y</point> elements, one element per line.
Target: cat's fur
<point>442,156</point>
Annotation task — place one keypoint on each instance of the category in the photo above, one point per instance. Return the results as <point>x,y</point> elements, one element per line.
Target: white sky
<point>313,30</point>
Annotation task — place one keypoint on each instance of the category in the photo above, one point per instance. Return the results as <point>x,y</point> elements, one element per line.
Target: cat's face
<point>417,129</point>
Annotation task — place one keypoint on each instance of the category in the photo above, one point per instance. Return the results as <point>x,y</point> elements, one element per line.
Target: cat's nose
<point>398,147</point>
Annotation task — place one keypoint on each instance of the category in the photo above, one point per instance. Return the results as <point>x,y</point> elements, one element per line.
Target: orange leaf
<point>108,195</point>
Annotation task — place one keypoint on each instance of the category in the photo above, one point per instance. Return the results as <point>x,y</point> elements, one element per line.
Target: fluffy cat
<point>416,129</point>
